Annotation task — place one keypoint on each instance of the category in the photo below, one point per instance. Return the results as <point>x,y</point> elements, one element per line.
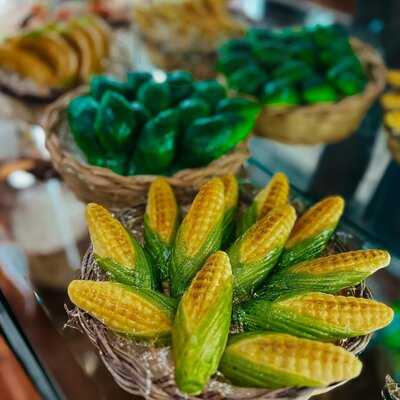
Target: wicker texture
<point>148,372</point>
<point>326,123</point>
<point>101,185</point>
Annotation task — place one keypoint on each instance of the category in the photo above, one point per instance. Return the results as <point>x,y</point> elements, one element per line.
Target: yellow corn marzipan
<point>323,215</point>
<point>267,233</point>
<point>391,100</point>
<point>118,308</point>
<point>353,313</point>
<point>275,194</point>
<point>109,237</point>
<point>162,209</point>
<point>392,120</point>
<point>204,213</point>
<point>323,362</point>
<point>231,192</point>
<point>205,288</point>
<point>352,261</point>
<point>393,77</point>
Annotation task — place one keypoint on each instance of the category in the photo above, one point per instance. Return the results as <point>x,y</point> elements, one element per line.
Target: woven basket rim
<point>125,369</point>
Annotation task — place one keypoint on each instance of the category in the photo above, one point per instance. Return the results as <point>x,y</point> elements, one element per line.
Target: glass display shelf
<point>43,237</point>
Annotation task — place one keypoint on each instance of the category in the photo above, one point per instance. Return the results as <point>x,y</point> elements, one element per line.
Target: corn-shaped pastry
<point>198,236</point>
<point>231,195</point>
<point>275,194</point>
<point>326,274</point>
<point>160,224</point>
<point>256,252</point>
<point>139,313</point>
<point>116,250</point>
<point>276,360</point>
<point>316,316</point>
<point>312,231</point>
<point>202,323</point>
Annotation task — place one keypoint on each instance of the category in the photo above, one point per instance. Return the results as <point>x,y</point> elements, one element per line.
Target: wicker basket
<point>101,185</point>
<point>326,123</point>
<point>148,372</point>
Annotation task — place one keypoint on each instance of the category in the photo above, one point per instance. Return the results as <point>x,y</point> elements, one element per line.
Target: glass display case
<point>43,236</point>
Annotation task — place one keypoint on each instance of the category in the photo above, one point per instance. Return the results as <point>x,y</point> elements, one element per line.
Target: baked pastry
<point>43,63</point>
<point>184,34</point>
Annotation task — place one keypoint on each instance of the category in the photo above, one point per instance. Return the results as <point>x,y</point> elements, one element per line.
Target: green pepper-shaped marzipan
<point>115,124</point>
<point>180,84</point>
<point>102,83</point>
<point>192,109</point>
<point>82,111</point>
<point>155,148</point>
<point>155,96</point>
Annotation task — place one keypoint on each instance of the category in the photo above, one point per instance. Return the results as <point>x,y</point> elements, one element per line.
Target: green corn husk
<point>198,236</point>
<point>275,360</point>
<point>275,194</point>
<point>231,196</point>
<point>139,313</point>
<point>116,250</point>
<point>202,323</point>
<point>312,231</point>
<point>326,274</point>
<point>315,316</point>
<point>257,251</point>
<point>160,224</point>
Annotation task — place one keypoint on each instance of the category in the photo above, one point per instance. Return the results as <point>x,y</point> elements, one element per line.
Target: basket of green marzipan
<point>111,140</point>
<point>315,84</point>
<point>226,296</point>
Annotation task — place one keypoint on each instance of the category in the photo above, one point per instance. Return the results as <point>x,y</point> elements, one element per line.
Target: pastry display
<point>214,313</point>
<point>45,62</point>
<point>185,34</point>
<point>142,126</point>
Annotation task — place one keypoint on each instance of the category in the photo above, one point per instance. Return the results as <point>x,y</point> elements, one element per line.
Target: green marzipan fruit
<point>276,360</point>
<point>248,218</point>
<point>202,325</point>
<point>328,274</point>
<point>158,249</point>
<point>142,276</point>
<point>315,316</point>
<point>306,250</point>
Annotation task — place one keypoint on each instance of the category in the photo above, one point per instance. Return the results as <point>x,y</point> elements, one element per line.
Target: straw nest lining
<point>148,371</point>
<point>101,185</point>
<point>326,122</point>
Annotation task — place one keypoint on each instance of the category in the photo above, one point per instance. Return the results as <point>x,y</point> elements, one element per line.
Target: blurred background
<point>43,233</point>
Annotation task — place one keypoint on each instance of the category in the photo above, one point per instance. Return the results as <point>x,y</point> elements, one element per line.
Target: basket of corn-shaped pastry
<point>315,84</point>
<point>111,140</point>
<point>391,106</point>
<point>185,34</point>
<point>226,298</point>
<point>37,65</point>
